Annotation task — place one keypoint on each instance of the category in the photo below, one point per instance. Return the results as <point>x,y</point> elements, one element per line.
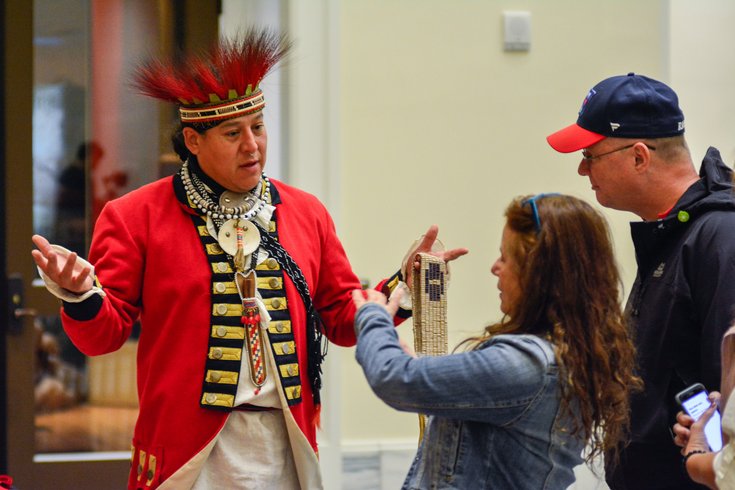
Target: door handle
<point>16,310</point>
<point>23,312</point>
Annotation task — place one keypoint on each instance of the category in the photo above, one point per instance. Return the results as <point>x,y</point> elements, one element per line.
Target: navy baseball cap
<point>625,106</point>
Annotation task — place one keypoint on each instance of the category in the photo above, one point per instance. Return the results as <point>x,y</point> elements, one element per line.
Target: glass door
<point>75,136</point>
<point>84,408</point>
<point>31,350</point>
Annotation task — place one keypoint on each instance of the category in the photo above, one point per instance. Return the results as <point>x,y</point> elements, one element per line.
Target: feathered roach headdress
<point>218,84</point>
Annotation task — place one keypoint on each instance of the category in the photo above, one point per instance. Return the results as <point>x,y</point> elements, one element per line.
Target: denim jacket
<point>494,413</point>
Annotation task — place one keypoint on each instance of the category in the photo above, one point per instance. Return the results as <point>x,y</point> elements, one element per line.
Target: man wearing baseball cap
<point>630,130</point>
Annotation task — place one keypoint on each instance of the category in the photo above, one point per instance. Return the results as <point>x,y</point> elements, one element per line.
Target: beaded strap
<point>429,311</point>
<point>430,306</point>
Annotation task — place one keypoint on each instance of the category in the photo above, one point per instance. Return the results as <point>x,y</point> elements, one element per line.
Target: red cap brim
<point>573,138</point>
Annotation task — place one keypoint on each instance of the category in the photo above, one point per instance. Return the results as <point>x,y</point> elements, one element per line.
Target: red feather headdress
<point>217,84</point>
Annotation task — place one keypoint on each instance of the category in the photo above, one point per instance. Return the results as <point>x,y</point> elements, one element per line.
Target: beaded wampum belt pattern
<point>233,108</point>
<point>429,311</point>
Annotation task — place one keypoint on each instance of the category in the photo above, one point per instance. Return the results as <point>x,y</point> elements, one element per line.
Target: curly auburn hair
<point>570,294</point>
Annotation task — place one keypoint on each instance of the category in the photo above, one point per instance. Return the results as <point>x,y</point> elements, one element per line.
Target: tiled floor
<point>375,470</point>
<point>361,472</point>
<point>386,471</point>
<point>108,429</point>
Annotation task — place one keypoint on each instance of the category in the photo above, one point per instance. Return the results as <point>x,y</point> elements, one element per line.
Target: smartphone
<point>694,401</point>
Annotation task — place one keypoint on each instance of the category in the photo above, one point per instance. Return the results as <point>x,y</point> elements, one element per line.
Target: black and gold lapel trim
<point>226,332</point>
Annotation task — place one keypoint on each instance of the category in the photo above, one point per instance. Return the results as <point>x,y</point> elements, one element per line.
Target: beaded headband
<point>228,110</point>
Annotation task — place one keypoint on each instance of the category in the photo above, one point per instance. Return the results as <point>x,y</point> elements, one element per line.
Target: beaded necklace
<point>230,219</point>
<point>197,193</point>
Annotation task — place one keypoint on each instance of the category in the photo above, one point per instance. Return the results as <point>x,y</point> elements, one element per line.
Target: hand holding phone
<point>694,400</point>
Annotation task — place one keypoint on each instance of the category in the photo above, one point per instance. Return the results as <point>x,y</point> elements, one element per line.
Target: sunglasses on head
<point>531,201</point>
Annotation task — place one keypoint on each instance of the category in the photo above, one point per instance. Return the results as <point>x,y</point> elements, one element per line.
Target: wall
<point>405,113</point>
<point>703,72</point>
<point>440,125</point>
<point>237,16</point>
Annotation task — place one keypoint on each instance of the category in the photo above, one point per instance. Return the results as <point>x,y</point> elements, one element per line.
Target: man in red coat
<point>235,278</point>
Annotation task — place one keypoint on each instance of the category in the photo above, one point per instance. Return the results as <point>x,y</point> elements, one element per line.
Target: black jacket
<point>679,308</point>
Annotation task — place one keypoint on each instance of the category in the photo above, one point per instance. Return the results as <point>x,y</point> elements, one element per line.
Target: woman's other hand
<point>361,297</point>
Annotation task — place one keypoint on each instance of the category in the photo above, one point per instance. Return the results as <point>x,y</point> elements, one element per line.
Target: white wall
<point>405,113</point>
<point>440,125</point>
<point>702,70</point>
<point>237,16</point>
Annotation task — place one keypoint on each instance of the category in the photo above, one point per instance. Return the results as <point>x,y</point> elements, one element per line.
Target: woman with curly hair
<point>517,406</point>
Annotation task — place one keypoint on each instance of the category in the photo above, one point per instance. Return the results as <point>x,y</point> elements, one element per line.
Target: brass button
<point>286,349</point>
<point>273,282</point>
<point>221,331</point>
<point>222,266</point>
<point>291,371</point>
<point>276,303</point>
<point>210,398</point>
<point>217,353</point>
<point>221,309</point>
<point>149,474</point>
<point>271,263</point>
<point>279,327</point>
<point>215,376</point>
<point>220,287</point>
<point>140,469</point>
<point>216,248</point>
<point>297,391</point>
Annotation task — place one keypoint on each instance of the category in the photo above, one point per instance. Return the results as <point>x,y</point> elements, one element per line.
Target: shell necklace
<point>237,236</point>
<point>231,205</point>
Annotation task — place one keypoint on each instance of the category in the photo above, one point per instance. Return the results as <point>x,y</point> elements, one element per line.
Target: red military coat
<point>151,264</point>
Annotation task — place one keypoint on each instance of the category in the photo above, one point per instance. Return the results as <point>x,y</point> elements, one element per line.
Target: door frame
<point>17,130</point>
<point>4,310</point>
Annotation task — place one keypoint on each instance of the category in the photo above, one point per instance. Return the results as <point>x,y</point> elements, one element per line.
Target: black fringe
<point>317,344</point>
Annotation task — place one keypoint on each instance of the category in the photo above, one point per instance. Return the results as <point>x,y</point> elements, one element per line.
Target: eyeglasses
<point>587,157</point>
<point>531,201</point>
